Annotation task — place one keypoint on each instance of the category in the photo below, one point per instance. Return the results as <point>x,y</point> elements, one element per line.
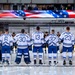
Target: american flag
<point>37,13</point>
<point>11,13</point>
<point>50,14</point>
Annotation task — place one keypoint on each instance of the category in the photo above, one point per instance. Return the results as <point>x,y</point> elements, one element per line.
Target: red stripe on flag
<point>7,15</point>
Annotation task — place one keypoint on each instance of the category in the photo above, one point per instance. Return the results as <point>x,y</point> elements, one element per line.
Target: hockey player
<point>68,43</point>
<point>38,40</point>
<point>6,41</point>
<point>58,34</point>
<point>52,40</point>
<point>14,44</point>
<point>23,41</point>
<point>45,45</point>
<point>0,48</point>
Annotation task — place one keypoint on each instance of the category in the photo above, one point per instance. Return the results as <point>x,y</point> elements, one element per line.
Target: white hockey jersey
<point>6,40</point>
<point>52,40</point>
<point>68,39</point>
<point>23,40</point>
<point>37,39</point>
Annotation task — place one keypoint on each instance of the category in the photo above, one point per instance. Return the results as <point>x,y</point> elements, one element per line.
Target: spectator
<point>0,7</point>
<point>43,7</point>
<point>25,7</point>
<point>69,7</point>
<point>29,7</point>
<point>50,7</point>
<point>62,7</point>
<point>35,7</point>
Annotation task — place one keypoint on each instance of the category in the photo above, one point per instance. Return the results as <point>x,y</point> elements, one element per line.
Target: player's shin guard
<point>64,58</point>
<point>50,58</point>
<point>18,59</point>
<point>27,58</point>
<point>3,58</point>
<point>40,58</point>
<point>55,58</point>
<point>70,57</point>
<point>35,57</point>
<point>7,58</point>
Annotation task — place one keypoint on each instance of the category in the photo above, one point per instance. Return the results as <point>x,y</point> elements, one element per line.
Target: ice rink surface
<point>37,71</point>
<point>45,69</point>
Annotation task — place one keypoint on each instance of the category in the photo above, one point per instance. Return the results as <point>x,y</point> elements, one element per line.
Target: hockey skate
<point>7,62</point>
<point>64,62</point>
<point>28,62</point>
<point>70,62</point>
<point>34,62</point>
<point>55,63</point>
<point>3,62</point>
<point>50,63</point>
<point>40,62</point>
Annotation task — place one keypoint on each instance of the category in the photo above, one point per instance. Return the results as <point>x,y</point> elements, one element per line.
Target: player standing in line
<point>14,44</point>
<point>0,48</point>
<point>38,40</point>
<point>45,45</point>
<point>6,41</point>
<point>58,34</point>
<point>52,40</point>
<point>23,41</point>
<point>68,43</point>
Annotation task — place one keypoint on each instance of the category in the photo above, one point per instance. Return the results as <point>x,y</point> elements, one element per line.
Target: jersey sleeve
<point>11,41</point>
<point>61,37</point>
<point>32,38</point>
<point>0,39</point>
<point>15,38</point>
<point>46,39</point>
<point>28,39</point>
<point>42,38</point>
<point>57,40</point>
<point>73,39</point>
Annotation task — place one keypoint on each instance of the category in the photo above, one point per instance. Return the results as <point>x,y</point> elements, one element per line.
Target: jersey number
<point>68,37</point>
<point>37,37</point>
<point>52,39</point>
<point>22,39</point>
<point>5,38</point>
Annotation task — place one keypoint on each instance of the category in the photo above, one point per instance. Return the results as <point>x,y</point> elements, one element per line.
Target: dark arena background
<point>47,14</point>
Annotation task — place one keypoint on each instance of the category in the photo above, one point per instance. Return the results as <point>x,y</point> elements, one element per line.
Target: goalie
<point>23,41</point>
